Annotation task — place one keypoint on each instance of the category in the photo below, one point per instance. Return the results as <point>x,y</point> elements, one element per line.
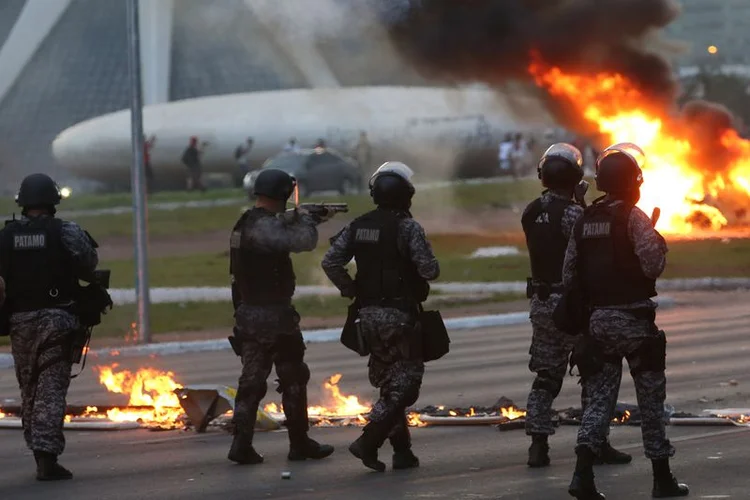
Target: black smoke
<point>492,40</point>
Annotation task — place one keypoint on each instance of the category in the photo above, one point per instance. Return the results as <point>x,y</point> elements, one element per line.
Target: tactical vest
<point>542,225</point>
<point>261,278</point>
<point>384,276</point>
<point>37,268</point>
<point>608,267</point>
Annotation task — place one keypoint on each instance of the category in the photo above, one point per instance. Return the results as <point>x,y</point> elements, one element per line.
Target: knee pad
<point>251,389</point>
<point>651,356</point>
<point>544,381</point>
<point>293,373</point>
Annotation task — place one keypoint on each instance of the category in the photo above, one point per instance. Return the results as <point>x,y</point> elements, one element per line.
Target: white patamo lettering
<point>24,241</point>
<point>596,229</point>
<point>368,235</point>
<point>542,218</point>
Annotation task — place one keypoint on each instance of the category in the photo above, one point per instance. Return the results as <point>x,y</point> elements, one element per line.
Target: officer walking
<point>548,223</point>
<point>41,260</point>
<point>615,255</point>
<point>394,262</point>
<point>267,325</point>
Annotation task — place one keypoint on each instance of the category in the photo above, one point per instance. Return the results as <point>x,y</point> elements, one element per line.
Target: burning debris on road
<point>157,402</point>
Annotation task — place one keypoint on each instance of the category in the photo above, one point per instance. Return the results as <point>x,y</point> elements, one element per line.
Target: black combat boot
<point>47,468</point>
<point>366,447</point>
<point>538,451</point>
<point>582,486</point>
<point>400,439</point>
<point>611,456</point>
<point>242,451</point>
<point>302,447</point>
<point>665,484</point>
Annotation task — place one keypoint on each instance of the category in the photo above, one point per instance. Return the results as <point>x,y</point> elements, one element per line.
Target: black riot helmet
<point>618,170</point>
<point>391,187</point>
<point>561,166</point>
<point>275,184</point>
<point>38,191</point>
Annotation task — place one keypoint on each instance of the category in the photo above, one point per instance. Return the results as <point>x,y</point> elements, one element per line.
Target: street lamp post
<point>137,176</point>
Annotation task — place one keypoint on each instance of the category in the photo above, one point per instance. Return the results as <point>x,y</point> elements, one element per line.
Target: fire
<point>340,405</point>
<point>150,389</point>
<point>672,181</point>
<point>512,413</point>
<point>413,420</point>
<point>624,419</point>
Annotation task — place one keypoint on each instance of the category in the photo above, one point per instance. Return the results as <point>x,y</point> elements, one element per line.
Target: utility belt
<point>267,302</point>
<point>53,300</point>
<point>401,303</point>
<point>542,289</point>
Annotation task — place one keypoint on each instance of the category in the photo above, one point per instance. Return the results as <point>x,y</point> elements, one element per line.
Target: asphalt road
<point>707,367</point>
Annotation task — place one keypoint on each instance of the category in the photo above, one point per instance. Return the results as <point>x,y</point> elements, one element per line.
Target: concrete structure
<point>65,61</point>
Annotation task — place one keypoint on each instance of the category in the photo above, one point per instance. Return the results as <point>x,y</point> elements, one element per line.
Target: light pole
<point>137,177</point>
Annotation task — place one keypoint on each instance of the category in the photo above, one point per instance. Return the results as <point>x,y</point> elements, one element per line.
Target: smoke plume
<point>493,40</point>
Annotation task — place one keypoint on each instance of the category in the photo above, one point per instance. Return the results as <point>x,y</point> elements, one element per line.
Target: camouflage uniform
<point>270,335</point>
<point>40,341</point>
<point>393,368</point>
<point>620,334</point>
<point>550,347</point>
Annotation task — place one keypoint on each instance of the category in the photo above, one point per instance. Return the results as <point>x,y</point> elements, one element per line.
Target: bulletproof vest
<point>383,274</point>
<point>608,267</point>
<point>261,278</point>
<point>542,224</point>
<point>37,268</point>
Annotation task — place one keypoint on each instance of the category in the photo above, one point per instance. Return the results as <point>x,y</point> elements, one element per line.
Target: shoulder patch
<point>596,229</point>
<point>29,241</point>
<point>235,240</point>
<point>542,218</point>
<point>367,235</point>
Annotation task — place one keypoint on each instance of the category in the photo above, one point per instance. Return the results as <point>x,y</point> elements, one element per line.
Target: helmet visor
<point>627,148</point>
<point>565,151</point>
<point>395,168</point>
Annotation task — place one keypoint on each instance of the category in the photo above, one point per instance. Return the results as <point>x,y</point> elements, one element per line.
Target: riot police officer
<point>615,256</point>
<point>267,329</point>
<point>548,223</point>
<point>41,260</point>
<point>394,262</point>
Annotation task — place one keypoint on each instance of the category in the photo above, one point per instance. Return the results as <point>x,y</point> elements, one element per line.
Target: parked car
<point>315,170</point>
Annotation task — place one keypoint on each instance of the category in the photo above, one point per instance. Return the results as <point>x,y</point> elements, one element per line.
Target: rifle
<point>321,208</point>
<point>92,301</point>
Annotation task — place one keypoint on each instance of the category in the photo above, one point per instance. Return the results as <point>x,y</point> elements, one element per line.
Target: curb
<point>310,336</point>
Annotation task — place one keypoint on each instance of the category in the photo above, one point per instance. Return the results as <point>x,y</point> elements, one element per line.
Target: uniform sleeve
<point>571,215</point>
<point>283,234</point>
<point>649,245</point>
<point>571,259</point>
<point>420,250</point>
<point>81,247</point>
<point>336,259</point>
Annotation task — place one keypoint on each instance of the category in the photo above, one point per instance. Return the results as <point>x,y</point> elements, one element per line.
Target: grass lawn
<point>686,259</point>
<point>198,220</point>
<point>98,201</point>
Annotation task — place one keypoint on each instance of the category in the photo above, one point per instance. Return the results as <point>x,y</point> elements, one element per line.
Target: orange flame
<point>512,413</point>
<point>619,111</point>
<point>624,419</point>
<point>340,405</point>
<point>414,421</point>
<point>147,387</point>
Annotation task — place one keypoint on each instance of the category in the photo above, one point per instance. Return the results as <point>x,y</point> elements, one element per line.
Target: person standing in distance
<point>41,261</point>
<point>615,254</point>
<point>548,223</point>
<point>267,329</point>
<point>394,263</point>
